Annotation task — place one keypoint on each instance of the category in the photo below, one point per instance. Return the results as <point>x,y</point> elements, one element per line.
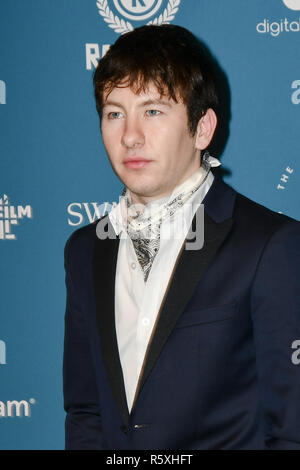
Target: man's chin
<point>141,185</point>
<point>143,193</point>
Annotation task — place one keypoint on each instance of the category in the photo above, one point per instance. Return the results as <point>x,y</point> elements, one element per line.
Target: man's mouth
<point>136,162</point>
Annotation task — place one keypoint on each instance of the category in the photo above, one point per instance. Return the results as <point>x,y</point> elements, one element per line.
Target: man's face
<point>148,142</point>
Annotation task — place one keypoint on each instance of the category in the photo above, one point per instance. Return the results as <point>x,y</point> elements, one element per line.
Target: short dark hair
<point>169,56</point>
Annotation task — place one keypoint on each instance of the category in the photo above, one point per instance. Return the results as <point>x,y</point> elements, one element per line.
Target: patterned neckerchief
<point>144,229</point>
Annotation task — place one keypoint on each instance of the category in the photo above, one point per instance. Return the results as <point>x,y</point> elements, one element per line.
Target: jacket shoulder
<point>257,222</point>
<point>254,212</point>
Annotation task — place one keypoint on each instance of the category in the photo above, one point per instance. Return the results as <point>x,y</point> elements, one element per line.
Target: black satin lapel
<point>190,268</point>
<point>105,263</point>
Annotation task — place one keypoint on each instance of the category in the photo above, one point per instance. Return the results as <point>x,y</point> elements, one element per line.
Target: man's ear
<point>205,129</point>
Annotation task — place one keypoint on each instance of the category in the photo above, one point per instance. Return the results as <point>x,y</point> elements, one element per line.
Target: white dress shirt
<point>137,303</point>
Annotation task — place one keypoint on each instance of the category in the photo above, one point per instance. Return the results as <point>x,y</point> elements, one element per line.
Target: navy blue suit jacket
<point>219,372</point>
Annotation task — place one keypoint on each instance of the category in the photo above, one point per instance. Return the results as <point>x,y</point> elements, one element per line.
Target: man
<point>171,341</point>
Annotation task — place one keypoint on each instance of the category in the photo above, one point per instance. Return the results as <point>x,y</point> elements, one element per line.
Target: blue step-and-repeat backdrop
<point>55,176</point>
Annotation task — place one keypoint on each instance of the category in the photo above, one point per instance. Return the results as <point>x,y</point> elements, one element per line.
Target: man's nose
<point>133,135</point>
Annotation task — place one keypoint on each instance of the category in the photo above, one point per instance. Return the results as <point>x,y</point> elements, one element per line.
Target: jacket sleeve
<point>276,323</point>
<point>81,402</point>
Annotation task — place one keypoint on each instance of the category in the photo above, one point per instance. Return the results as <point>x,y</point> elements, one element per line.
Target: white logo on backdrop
<point>92,210</point>
<point>13,408</point>
<point>2,352</point>
<point>275,28</point>
<point>136,10</point>
<point>285,177</point>
<point>292,4</point>
<point>2,92</point>
<point>10,215</point>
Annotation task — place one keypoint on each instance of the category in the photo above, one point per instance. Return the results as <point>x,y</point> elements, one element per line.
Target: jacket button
<point>140,426</point>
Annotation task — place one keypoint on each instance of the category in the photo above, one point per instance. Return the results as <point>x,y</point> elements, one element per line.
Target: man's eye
<point>114,115</point>
<point>153,112</point>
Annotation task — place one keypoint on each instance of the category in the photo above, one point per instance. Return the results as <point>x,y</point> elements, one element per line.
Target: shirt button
<point>145,321</point>
<point>133,265</point>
